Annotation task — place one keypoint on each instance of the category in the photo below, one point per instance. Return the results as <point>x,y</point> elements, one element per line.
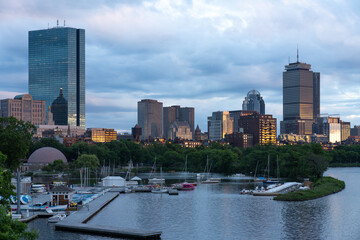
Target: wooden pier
<point>78,221</point>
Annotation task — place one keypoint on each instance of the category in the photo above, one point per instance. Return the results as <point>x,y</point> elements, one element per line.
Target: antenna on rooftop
<point>48,25</point>
<point>64,23</point>
<point>57,23</point>
<point>297,53</point>
<point>289,59</point>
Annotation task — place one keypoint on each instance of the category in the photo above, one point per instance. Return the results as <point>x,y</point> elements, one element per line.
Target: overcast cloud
<point>202,54</point>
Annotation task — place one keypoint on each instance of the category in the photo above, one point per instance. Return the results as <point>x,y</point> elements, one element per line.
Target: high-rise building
<point>219,124</point>
<point>330,126</point>
<point>262,128</point>
<point>254,102</point>
<point>345,130</point>
<point>235,115</point>
<point>301,98</point>
<point>150,115</point>
<point>24,108</point>
<point>57,60</point>
<point>178,114</point>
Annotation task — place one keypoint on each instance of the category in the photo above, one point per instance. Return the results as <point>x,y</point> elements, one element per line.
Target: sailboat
<point>160,189</point>
<point>269,181</point>
<point>184,186</point>
<point>207,170</point>
<point>155,180</point>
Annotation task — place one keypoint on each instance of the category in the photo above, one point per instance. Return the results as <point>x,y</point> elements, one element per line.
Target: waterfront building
<point>239,139</point>
<point>136,133</point>
<point>219,124</point>
<point>294,138</point>
<point>101,134</point>
<point>301,98</point>
<point>262,128</point>
<point>179,114</point>
<point>179,130</point>
<point>345,130</point>
<point>235,115</point>
<point>355,131</point>
<point>150,115</point>
<point>57,60</point>
<point>24,108</point>
<point>328,125</point>
<point>197,133</point>
<point>254,102</point>
<point>52,131</point>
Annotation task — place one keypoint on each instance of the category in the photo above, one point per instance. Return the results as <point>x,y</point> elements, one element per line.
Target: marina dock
<point>78,221</point>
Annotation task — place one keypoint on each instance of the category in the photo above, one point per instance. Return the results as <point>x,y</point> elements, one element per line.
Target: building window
<point>66,197</point>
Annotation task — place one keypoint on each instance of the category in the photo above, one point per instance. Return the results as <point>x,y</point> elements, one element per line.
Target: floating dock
<point>78,221</point>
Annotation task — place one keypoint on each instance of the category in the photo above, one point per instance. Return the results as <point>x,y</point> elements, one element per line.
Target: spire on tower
<point>297,53</point>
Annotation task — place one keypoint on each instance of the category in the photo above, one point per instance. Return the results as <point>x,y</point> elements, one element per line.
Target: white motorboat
<point>212,180</point>
<point>159,190</point>
<point>57,218</point>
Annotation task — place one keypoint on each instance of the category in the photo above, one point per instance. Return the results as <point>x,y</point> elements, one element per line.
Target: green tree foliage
<point>87,160</point>
<point>10,229</point>
<point>56,166</point>
<point>13,229</point>
<point>15,139</point>
<point>6,188</point>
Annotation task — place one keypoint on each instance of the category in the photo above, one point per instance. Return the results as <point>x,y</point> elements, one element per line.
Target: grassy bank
<point>328,186</point>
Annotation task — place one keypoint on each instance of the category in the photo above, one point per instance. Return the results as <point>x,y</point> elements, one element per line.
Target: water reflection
<point>220,212</point>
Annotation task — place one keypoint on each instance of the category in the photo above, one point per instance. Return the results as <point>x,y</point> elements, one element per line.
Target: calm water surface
<point>220,212</point>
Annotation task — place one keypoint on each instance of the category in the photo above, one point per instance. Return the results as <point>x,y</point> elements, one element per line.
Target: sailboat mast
<point>268,166</point>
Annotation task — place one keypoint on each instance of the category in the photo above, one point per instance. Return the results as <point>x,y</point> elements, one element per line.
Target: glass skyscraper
<point>57,60</point>
<point>254,102</point>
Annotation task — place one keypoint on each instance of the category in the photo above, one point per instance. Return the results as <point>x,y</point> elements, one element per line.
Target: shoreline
<point>329,186</point>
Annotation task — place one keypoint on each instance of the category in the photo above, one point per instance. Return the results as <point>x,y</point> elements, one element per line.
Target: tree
<point>87,160</point>
<point>57,165</point>
<point>10,229</point>
<point>15,139</point>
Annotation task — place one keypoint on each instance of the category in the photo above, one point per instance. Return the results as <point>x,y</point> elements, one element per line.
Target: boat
<point>212,180</point>
<point>269,181</point>
<point>25,199</point>
<point>207,171</point>
<point>57,218</point>
<point>38,207</point>
<point>173,191</point>
<point>155,180</point>
<point>184,186</point>
<point>159,189</point>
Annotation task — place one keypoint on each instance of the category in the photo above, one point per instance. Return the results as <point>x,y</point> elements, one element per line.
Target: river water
<point>218,211</point>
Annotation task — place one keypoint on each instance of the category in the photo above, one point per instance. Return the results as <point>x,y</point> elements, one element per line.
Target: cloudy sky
<point>202,54</point>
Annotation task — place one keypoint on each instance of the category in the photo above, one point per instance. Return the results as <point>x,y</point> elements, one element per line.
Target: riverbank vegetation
<point>322,187</point>
<point>298,161</point>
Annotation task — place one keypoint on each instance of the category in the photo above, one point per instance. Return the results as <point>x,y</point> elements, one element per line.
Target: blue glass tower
<point>57,60</point>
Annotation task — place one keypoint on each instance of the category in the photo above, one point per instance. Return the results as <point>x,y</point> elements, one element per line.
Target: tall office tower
<point>262,128</point>
<point>150,115</point>
<point>57,60</point>
<point>178,114</point>
<point>23,107</point>
<point>301,98</point>
<point>254,102</point>
<point>219,124</point>
<point>235,115</point>
<point>345,130</point>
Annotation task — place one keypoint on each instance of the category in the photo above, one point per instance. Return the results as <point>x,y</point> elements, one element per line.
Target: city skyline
<point>215,56</point>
